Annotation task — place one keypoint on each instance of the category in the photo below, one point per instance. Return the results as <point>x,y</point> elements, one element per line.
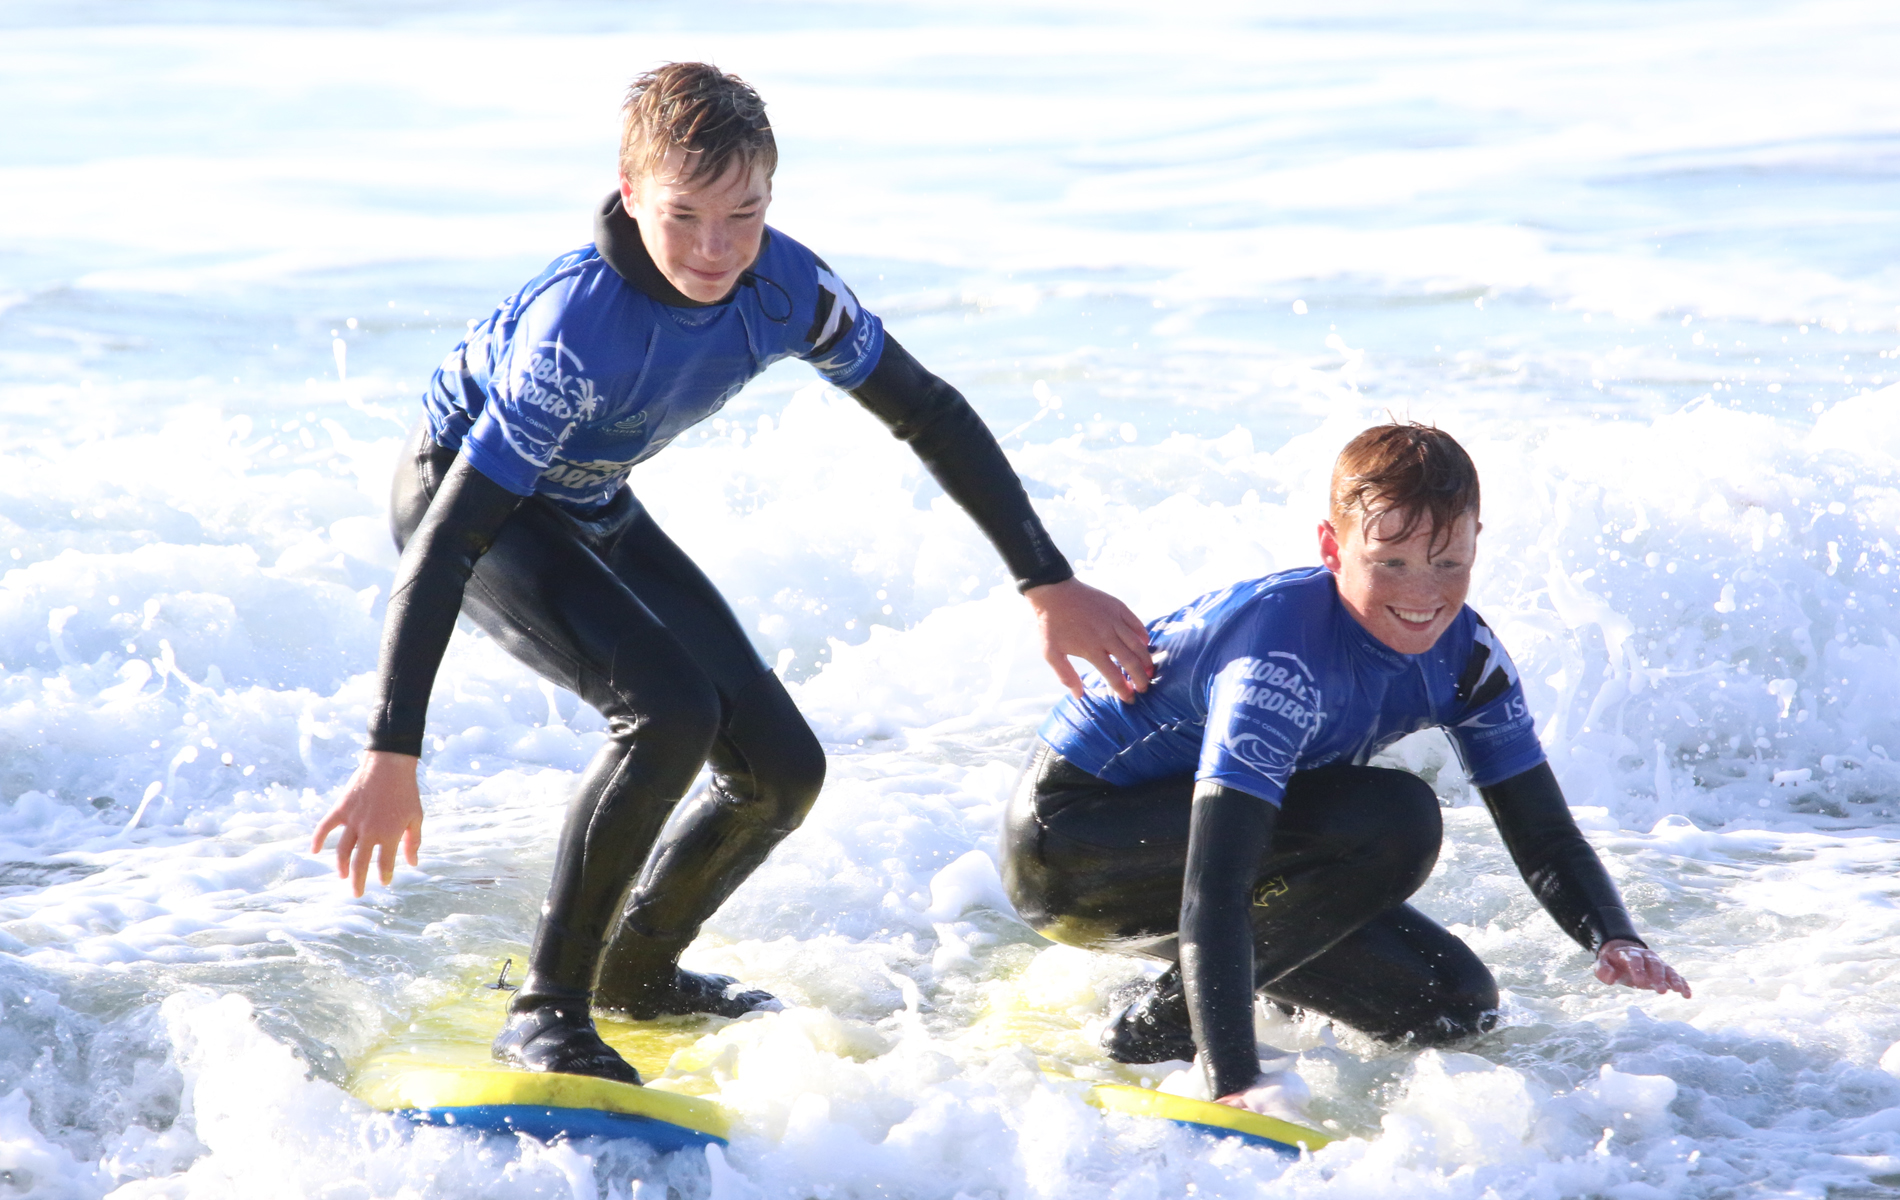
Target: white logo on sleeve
<point>1488,672</point>
<point>836,313</point>
<point>1274,760</point>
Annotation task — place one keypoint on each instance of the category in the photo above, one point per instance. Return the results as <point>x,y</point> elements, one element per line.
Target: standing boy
<point>511,504</point>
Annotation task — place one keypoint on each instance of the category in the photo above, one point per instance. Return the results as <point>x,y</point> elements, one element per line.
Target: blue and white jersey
<point>580,375</point>
<point>1273,675</point>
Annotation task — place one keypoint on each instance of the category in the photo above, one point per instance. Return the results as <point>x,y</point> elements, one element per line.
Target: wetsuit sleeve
<point>962,455</point>
<point>1228,835</point>
<point>463,519</point>
<point>1562,869</point>
<point>1496,735</point>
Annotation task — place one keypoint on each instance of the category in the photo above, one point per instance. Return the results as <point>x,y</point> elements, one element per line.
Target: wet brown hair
<point>716,118</point>
<point>1416,472</point>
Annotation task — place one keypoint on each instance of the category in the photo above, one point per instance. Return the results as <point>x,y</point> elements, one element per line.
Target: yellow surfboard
<point>439,1072</point>
<point>1218,1120</point>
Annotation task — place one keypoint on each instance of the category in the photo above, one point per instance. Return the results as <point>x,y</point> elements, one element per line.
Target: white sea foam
<point>1637,260</point>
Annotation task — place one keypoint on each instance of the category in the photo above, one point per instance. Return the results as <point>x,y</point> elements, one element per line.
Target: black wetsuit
<point>602,602</point>
<point>1225,821</point>
<point>1320,883</point>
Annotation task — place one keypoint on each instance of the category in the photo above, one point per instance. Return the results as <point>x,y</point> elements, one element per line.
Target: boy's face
<point>701,234</point>
<point>1404,594</point>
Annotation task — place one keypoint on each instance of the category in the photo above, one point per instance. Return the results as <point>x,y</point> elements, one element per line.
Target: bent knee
<point>1412,806</point>
<point>774,767</point>
<point>1460,1008</point>
<point>1403,847</point>
<point>1454,1025</point>
<point>676,724</point>
<point>789,779</point>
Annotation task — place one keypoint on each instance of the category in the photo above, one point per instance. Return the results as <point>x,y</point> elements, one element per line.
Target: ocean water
<point>1639,258</point>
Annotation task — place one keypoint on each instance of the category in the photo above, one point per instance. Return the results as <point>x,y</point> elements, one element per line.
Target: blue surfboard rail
<point>1292,1150</point>
<point>1214,1120</point>
<point>557,1124</point>
<point>552,1107</point>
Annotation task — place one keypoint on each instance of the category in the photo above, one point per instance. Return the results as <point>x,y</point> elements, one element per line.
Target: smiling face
<point>1405,592</point>
<point>701,233</point>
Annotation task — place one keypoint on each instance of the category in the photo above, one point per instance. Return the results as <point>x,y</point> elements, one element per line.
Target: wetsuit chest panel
<point>580,375</point>
<point>1272,675</point>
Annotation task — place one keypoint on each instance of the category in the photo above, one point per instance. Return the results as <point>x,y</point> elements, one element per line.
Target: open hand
<point>1634,966</point>
<point>380,806</point>
<point>1074,618</point>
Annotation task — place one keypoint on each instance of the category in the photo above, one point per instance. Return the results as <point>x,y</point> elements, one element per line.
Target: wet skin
<point>1405,592</point>
<point>701,233</point>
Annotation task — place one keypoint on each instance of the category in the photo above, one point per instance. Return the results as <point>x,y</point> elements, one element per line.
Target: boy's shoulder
<point>1293,596</point>
<point>781,250</point>
<point>787,261</point>
<point>823,322</point>
<point>570,286</point>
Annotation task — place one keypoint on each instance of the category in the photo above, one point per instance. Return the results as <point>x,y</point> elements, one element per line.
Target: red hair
<point>1414,472</point>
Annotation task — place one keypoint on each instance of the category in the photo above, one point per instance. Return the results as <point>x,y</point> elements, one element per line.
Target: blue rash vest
<point>580,375</point>
<point>1273,675</point>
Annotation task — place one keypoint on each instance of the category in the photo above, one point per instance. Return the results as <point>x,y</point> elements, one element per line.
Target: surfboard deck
<point>439,1072</point>
<point>1050,1016</point>
<point>1205,1116</point>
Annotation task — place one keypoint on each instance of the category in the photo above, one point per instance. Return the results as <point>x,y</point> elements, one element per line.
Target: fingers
<point>1657,975</point>
<point>1065,674</point>
<point>1134,639</point>
<point>323,831</point>
<point>1136,661</point>
<point>1639,968</point>
<point>1111,675</point>
<point>354,852</point>
<point>359,867</point>
<point>1676,983</point>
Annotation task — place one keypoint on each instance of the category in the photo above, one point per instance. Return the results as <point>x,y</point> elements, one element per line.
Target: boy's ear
<point>1329,545</point>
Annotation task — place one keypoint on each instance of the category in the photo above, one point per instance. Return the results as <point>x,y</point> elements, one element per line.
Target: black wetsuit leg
<point>609,608</point>
<point>767,769</point>
<point>1427,984</point>
<point>1091,864</point>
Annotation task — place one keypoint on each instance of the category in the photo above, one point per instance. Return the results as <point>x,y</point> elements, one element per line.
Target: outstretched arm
<point>1228,835</point>
<point>959,451</point>
<point>381,805</point>
<point>1568,879</point>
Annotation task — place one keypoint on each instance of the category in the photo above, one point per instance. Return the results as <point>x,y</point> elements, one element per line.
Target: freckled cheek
<point>676,248</point>
<point>744,243</point>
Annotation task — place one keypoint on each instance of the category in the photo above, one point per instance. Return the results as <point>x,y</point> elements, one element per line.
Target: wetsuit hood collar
<point>617,237</point>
